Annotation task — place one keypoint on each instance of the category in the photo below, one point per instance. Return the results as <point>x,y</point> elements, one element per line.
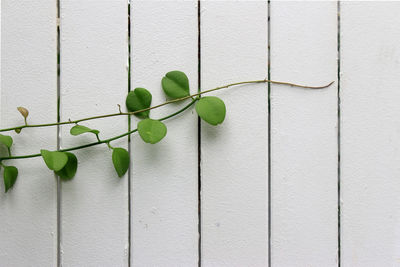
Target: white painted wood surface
<point>370,84</point>
<point>94,79</point>
<point>95,208</point>
<point>164,175</point>
<point>304,134</point>
<point>234,156</point>
<point>28,213</point>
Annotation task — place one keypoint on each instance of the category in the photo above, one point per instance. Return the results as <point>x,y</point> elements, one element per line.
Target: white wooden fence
<point>294,177</point>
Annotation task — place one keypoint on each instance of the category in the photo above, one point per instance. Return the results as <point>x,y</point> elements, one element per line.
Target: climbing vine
<point>175,85</point>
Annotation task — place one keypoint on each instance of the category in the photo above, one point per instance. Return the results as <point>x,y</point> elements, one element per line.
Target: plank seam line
<point>58,25</point>
<point>338,137</point>
<point>199,131</point>
<point>269,131</point>
<point>129,139</point>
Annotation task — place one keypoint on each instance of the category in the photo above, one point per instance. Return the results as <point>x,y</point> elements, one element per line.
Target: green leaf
<point>69,170</point>
<point>120,159</point>
<point>152,131</point>
<point>211,109</point>
<point>139,99</point>
<point>54,160</point>
<point>10,176</point>
<point>6,140</point>
<point>175,84</point>
<point>80,129</point>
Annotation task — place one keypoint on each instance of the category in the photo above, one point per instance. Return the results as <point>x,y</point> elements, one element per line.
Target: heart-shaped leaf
<point>175,84</point>
<point>80,129</point>
<point>120,159</point>
<point>10,176</point>
<point>6,140</point>
<point>54,160</point>
<point>152,131</point>
<point>139,99</point>
<point>69,170</point>
<point>211,109</point>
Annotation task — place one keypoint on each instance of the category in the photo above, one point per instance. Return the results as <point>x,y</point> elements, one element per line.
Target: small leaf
<point>10,176</point>
<point>175,84</point>
<point>152,131</point>
<point>54,160</point>
<point>18,130</point>
<point>69,170</point>
<point>6,140</point>
<point>24,112</point>
<point>120,159</point>
<point>211,109</point>
<point>139,99</point>
<point>80,129</point>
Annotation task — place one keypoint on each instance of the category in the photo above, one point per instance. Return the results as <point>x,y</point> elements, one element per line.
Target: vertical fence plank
<point>304,134</point>
<point>234,167</point>
<point>94,208</point>
<point>370,133</point>
<point>164,176</point>
<point>28,212</point>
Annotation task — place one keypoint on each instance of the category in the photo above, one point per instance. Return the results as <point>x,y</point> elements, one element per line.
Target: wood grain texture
<point>28,212</point>
<point>304,134</point>
<point>370,65</point>
<point>234,166</point>
<point>164,175</point>
<point>94,79</point>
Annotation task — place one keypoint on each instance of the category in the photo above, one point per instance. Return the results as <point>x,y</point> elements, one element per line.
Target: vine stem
<point>160,105</point>
<point>106,141</point>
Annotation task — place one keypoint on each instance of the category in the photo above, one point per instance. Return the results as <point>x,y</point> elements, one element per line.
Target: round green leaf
<point>175,84</point>
<point>80,129</point>
<point>10,176</point>
<point>54,160</point>
<point>120,159</point>
<point>139,99</point>
<point>211,109</point>
<point>69,170</point>
<point>6,140</point>
<point>152,131</point>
